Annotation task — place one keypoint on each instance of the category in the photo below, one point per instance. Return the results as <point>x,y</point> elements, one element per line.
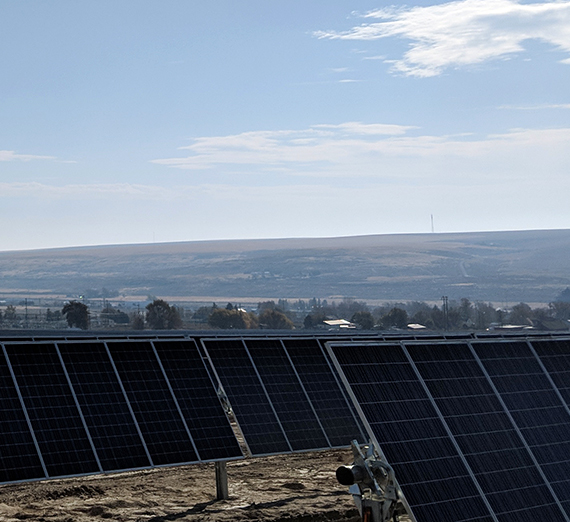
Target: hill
<point>530,266</point>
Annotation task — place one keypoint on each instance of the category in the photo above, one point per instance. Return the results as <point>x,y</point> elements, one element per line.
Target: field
<point>283,488</point>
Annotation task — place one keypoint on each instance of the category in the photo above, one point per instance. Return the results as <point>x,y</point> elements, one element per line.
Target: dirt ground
<point>284,488</point>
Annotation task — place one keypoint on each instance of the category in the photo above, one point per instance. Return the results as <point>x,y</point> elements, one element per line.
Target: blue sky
<point>134,122</point>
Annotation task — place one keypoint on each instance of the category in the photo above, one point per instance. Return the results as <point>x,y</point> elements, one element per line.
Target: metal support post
<point>222,492</point>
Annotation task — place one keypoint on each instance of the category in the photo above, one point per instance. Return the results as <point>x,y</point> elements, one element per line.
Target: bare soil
<point>283,488</point>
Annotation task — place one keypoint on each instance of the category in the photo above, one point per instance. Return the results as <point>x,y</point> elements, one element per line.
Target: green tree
<point>275,319</point>
<point>76,314</point>
<point>364,319</point>
<point>161,316</point>
<point>231,319</point>
<point>397,317</point>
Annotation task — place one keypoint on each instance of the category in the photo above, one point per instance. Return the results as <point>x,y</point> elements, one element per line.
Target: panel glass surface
<point>54,416</point>
<point>432,474</point>
<point>287,396</point>
<point>154,407</point>
<point>536,407</point>
<point>494,450</point>
<point>198,400</point>
<point>247,397</point>
<point>324,391</point>
<point>104,406</point>
<point>19,458</point>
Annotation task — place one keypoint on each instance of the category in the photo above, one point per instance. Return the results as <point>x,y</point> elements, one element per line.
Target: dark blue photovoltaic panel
<point>154,407</point>
<point>104,406</point>
<point>324,391</point>
<point>54,416</point>
<point>253,411</point>
<point>286,394</point>
<point>432,474</point>
<point>19,458</point>
<point>537,409</point>
<point>198,400</point>
<point>485,434</point>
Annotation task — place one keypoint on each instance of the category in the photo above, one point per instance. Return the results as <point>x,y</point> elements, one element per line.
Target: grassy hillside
<point>529,266</point>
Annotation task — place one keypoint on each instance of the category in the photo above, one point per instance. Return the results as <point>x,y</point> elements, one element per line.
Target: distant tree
<point>76,314</point>
<point>137,321</point>
<point>161,316</point>
<point>275,319</point>
<point>314,320</point>
<point>265,305</point>
<point>53,316</point>
<point>10,313</point>
<point>115,315</point>
<point>203,313</point>
<point>364,319</point>
<point>232,319</point>
<point>560,310</point>
<point>465,309</point>
<point>485,314</point>
<point>521,314</point>
<point>397,317</point>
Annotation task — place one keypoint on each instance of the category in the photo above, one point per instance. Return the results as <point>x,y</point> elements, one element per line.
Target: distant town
<point>158,314</point>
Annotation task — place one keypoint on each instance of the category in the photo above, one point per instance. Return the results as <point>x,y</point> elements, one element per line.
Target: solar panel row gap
<point>66,411</point>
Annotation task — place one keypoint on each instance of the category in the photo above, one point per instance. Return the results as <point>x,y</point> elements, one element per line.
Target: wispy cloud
<point>10,155</point>
<point>86,191</point>
<point>464,32</point>
<point>540,107</point>
<point>353,150</point>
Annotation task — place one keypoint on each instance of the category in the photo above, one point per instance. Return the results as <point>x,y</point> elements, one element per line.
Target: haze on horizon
<point>137,122</point>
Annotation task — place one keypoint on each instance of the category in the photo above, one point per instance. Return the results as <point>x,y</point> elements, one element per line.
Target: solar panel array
<point>474,430</point>
<point>80,408</point>
<point>73,407</point>
<point>476,427</point>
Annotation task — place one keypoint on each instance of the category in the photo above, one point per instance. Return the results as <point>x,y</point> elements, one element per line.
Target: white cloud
<point>536,107</point>
<point>464,32</point>
<point>10,155</point>
<point>386,153</point>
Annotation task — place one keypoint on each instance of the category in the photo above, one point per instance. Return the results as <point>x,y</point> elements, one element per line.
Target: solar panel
<point>55,419</point>
<point>468,428</point>
<point>155,409</point>
<point>113,429</point>
<point>334,411</point>
<point>19,458</point>
<point>292,406</point>
<point>199,403</point>
<point>416,442</point>
<point>536,406</point>
<point>486,429</point>
<point>254,412</point>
